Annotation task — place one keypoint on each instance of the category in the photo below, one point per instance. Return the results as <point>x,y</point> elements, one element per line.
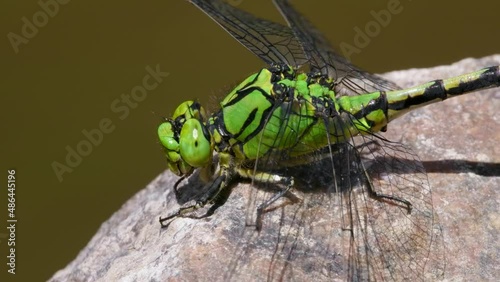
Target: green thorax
<point>276,109</point>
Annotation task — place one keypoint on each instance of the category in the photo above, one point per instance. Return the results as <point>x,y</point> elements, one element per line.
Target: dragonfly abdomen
<point>373,111</point>
<point>401,101</point>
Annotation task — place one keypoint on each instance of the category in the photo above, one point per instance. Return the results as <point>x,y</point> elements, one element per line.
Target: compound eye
<point>182,109</point>
<point>195,147</point>
<point>188,110</point>
<point>166,135</point>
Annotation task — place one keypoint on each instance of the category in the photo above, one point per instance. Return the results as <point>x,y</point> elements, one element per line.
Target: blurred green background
<point>64,79</point>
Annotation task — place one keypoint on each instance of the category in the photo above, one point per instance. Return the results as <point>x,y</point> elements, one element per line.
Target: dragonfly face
<point>186,140</point>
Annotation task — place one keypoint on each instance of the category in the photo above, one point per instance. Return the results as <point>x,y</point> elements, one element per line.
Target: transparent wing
<point>388,242</point>
<point>271,42</point>
<point>338,229</point>
<point>349,80</point>
<point>296,45</point>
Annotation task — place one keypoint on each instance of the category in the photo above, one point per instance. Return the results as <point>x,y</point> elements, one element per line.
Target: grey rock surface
<point>456,140</point>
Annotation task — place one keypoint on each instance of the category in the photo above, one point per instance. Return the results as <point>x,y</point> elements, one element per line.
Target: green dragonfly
<point>305,130</point>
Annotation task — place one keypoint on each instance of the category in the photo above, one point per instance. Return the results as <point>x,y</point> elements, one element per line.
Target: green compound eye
<point>195,148</point>
<point>190,109</point>
<point>166,136</point>
<point>182,109</point>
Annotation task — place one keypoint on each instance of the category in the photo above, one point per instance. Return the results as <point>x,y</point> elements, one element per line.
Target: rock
<point>456,140</point>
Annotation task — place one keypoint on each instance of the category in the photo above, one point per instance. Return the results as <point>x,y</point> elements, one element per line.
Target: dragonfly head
<point>186,140</point>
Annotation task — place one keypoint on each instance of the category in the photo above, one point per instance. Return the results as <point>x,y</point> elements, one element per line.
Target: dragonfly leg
<point>270,178</point>
<point>394,200</point>
<point>388,198</point>
<point>264,205</point>
<point>214,194</point>
<point>211,196</point>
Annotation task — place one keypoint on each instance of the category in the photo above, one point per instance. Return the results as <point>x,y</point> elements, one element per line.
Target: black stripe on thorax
<point>221,127</point>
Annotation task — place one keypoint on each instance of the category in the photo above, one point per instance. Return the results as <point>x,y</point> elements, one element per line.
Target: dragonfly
<point>307,132</point>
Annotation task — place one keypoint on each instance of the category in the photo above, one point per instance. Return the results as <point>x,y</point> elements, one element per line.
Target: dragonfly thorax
<point>250,116</point>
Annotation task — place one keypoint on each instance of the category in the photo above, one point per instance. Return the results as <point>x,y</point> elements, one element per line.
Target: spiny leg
<point>384,197</point>
<point>265,177</point>
<point>176,191</point>
<point>214,193</point>
<point>211,196</point>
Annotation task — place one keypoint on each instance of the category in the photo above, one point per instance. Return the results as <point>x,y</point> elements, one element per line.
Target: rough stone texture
<point>457,141</point>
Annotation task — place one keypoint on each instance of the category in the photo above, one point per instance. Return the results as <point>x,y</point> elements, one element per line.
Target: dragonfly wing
<point>270,41</point>
<point>349,80</point>
<point>388,242</point>
<point>338,229</point>
<point>296,46</point>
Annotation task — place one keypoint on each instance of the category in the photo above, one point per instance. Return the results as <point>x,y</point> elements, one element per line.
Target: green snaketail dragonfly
<point>308,126</point>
